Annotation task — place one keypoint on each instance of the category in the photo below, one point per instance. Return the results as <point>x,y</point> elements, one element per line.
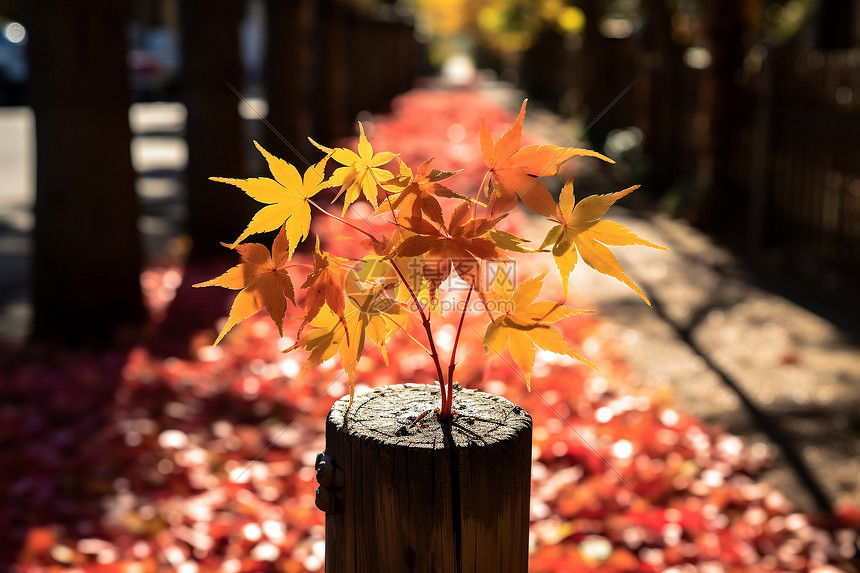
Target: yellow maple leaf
<point>581,231</point>
<point>526,324</point>
<point>361,172</point>
<point>286,196</point>
<point>262,281</point>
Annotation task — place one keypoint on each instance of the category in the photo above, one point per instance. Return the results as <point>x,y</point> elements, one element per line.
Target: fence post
<point>406,494</point>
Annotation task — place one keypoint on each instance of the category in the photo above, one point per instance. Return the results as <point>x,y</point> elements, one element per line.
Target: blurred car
<point>13,64</point>
<point>153,64</point>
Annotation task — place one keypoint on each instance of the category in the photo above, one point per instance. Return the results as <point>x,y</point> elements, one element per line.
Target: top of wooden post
<point>392,415</point>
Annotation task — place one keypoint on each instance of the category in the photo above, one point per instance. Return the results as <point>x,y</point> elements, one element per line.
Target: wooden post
<point>407,493</point>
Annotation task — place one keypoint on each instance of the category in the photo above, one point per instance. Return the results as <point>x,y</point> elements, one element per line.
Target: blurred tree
<point>725,29</point>
<point>599,92</point>
<point>662,124</point>
<point>217,145</point>
<point>839,24</point>
<point>288,78</point>
<point>87,252</point>
<point>11,9</point>
<point>330,89</point>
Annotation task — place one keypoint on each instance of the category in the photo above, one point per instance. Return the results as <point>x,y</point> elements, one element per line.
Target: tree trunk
<point>719,212</point>
<point>406,493</point>
<point>217,145</point>
<point>596,87</point>
<point>288,80</point>
<point>838,25</point>
<point>331,110</point>
<point>87,252</point>
<point>663,121</point>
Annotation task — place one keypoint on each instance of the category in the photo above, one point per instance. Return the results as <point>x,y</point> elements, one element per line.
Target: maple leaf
<point>361,172</point>
<point>581,231</point>
<point>286,197</point>
<point>514,170</point>
<point>526,324</point>
<point>416,195</point>
<point>325,285</point>
<point>461,246</point>
<point>262,281</point>
<point>370,317</point>
<point>509,241</point>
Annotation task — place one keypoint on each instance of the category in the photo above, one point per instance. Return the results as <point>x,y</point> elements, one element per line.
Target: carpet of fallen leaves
<point>133,461</point>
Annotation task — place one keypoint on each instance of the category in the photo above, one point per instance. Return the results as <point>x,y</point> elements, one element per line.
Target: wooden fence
<point>807,196</point>
<point>329,61</point>
<point>794,157</point>
<point>364,59</point>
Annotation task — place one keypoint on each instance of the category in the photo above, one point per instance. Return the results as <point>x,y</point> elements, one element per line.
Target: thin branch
<point>447,403</point>
<point>344,221</point>
<point>425,321</point>
<point>485,182</point>
<point>405,330</point>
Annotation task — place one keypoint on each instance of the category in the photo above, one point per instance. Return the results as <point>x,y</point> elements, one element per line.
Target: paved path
<point>739,355</point>
<point>734,353</point>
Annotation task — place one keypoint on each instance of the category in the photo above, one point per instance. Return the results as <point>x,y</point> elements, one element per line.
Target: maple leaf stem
<point>410,335</point>
<point>485,182</point>
<point>486,306</point>
<point>550,311</point>
<point>425,321</point>
<point>448,401</point>
<point>344,221</point>
<point>391,207</point>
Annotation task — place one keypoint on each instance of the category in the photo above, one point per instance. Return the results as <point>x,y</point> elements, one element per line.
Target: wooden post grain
<point>407,495</point>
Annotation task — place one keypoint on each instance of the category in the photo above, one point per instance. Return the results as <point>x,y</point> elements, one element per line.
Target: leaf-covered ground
<point>138,462</point>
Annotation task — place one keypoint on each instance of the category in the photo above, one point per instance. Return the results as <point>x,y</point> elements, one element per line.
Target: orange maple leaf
<point>263,280</point>
<point>325,285</point>
<point>461,245</point>
<point>371,318</point>
<point>514,170</point>
<point>415,195</point>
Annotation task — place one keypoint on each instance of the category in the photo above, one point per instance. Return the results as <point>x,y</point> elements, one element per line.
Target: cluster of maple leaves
<point>353,303</point>
<point>133,462</point>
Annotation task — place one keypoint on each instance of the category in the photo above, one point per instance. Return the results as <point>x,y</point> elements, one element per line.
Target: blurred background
<point>740,118</point>
<point>738,115</point>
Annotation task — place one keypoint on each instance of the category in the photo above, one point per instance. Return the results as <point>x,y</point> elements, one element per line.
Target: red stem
<point>446,393</point>
<point>344,221</point>
<point>425,321</point>
<point>448,402</point>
